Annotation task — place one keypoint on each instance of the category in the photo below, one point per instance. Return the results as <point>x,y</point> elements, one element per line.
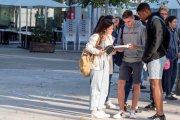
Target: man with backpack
<point>134,34</point>
<point>154,54</point>
<point>163,11</point>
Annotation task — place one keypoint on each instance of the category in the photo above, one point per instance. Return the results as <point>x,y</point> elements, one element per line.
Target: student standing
<point>108,103</point>
<point>172,53</point>
<point>163,12</point>
<point>100,68</point>
<point>154,55</point>
<point>134,34</point>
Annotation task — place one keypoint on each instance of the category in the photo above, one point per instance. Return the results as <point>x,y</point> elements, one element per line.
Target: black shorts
<point>127,68</point>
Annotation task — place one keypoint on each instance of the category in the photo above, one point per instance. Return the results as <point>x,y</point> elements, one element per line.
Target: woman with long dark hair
<point>100,68</point>
<point>99,21</point>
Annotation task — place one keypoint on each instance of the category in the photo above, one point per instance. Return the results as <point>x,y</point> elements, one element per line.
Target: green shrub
<point>41,34</point>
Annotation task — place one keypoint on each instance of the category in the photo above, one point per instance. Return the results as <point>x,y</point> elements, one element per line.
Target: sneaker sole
<point>93,116</point>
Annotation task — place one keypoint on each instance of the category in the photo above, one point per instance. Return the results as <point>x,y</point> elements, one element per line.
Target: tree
<point>98,3</point>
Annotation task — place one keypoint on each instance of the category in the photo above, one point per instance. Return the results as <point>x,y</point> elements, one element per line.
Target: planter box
<point>42,47</point>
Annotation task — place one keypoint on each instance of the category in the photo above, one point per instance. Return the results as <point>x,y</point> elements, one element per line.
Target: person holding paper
<point>100,68</point>
<point>134,35</point>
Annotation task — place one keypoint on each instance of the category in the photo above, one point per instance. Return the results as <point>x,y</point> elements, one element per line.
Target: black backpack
<point>166,33</point>
<point>117,58</point>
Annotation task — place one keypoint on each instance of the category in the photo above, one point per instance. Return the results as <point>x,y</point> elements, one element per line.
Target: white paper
<point>121,46</point>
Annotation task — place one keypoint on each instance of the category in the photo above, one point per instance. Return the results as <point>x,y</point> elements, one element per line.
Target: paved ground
<point>49,86</point>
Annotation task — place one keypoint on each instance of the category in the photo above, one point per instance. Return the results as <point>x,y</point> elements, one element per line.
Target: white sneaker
<point>96,114</point>
<point>164,101</point>
<point>105,114</point>
<point>173,94</point>
<point>132,115</point>
<point>109,104</point>
<point>104,107</point>
<point>99,114</point>
<point>119,115</point>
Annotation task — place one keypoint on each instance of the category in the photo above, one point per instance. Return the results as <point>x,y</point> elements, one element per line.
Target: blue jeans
<point>170,77</point>
<point>110,77</point>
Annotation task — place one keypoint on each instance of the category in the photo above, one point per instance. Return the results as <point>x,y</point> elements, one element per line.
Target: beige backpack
<point>86,61</point>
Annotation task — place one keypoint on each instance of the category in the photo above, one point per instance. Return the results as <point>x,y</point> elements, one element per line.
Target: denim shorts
<point>127,69</point>
<point>155,68</point>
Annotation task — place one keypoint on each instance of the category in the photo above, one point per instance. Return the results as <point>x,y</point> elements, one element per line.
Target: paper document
<point>121,46</point>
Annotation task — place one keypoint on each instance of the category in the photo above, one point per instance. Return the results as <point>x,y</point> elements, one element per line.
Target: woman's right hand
<point>101,52</point>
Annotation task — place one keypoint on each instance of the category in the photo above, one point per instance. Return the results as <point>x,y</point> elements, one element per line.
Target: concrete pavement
<point>49,86</point>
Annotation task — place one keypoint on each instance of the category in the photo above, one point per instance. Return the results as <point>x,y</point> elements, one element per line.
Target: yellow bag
<point>85,62</point>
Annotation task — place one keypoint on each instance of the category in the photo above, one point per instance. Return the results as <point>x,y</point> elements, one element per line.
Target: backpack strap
<point>157,17</point>
<point>166,32</point>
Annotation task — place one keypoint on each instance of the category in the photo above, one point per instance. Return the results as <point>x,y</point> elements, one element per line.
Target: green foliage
<point>119,2</point>
<point>105,3</point>
<point>41,34</point>
<point>152,1</point>
<point>98,3</point>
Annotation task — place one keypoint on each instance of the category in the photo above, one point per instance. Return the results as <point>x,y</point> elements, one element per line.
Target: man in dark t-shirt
<point>154,55</point>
